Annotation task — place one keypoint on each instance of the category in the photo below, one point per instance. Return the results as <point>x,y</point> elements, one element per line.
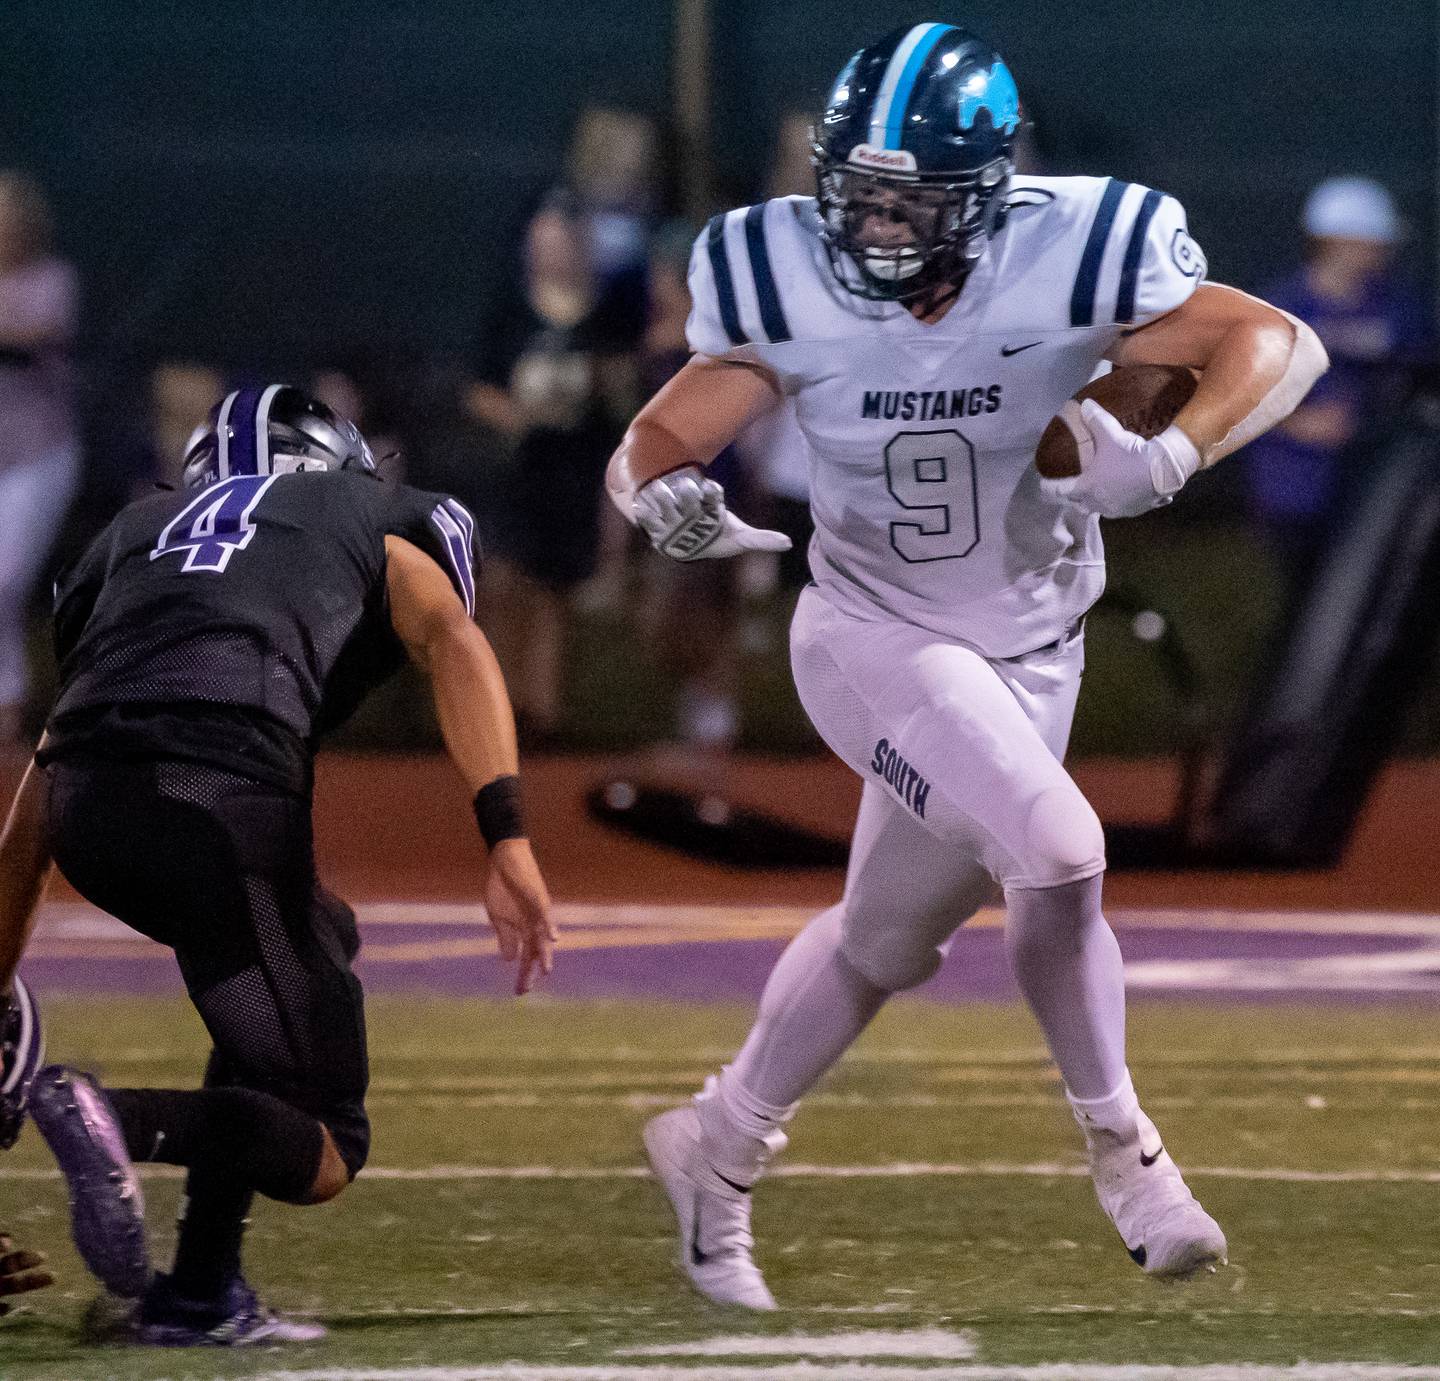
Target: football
<point>1143,398</point>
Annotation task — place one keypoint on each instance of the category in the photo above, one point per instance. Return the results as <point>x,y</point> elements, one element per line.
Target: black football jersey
<point>222,622</point>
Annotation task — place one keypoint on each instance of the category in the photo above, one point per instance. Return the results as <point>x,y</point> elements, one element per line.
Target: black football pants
<point>221,869</point>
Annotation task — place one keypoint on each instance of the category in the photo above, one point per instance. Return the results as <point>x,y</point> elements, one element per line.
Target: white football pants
<point>964,786</point>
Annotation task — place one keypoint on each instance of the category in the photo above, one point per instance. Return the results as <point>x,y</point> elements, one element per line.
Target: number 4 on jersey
<point>216,525</point>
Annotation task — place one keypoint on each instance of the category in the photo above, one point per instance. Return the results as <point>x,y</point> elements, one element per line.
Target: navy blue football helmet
<point>912,161</point>
<point>274,430</point>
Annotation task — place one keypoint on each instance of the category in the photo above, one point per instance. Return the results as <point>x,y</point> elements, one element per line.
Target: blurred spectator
<point>612,188</point>
<point>775,451</point>
<point>773,448</point>
<point>791,172</point>
<point>342,390</point>
<point>1374,325</point>
<point>181,396</point>
<point>697,614</point>
<point>541,386</point>
<point>39,452</point>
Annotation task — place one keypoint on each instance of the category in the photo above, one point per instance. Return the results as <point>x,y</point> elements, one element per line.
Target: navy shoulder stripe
<point>1130,269</point>
<point>772,315</point>
<point>1082,299</point>
<point>724,283</point>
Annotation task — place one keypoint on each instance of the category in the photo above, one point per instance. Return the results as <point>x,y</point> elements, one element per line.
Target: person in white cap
<point>1373,324</point>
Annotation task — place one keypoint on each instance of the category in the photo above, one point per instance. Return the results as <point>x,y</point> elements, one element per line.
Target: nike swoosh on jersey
<point>1008,350</point>
<point>1148,1161</point>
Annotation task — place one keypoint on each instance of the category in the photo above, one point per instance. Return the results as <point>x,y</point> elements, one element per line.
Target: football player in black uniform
<point>207,639</point>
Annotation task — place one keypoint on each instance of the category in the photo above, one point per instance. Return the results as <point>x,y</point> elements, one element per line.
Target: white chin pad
<point>893,267</point>
<point>294,465</point>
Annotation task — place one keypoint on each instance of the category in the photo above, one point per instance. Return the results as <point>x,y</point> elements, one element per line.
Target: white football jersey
<point>922,439</point>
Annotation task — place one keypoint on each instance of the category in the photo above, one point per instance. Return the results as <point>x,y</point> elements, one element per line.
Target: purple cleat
<point>107,1209</point>
<point>235,1318</point>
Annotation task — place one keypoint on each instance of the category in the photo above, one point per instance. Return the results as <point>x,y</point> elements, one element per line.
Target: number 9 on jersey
<point>932,474</point>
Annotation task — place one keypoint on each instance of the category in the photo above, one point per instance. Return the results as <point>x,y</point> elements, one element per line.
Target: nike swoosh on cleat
<point>1008,350</point>
<point>738,1188</point>
<point>1148,1161</point>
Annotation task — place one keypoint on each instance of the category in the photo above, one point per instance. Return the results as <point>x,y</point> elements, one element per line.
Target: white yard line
<point>938,1344</point>
<point>863,1371</point>
<point>641,1101</point>
<point>896,1170</point>
<point>961,1062</point>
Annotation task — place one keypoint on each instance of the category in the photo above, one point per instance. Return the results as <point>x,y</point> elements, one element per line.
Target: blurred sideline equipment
<point>706,825</point>
<point>1330,708</point>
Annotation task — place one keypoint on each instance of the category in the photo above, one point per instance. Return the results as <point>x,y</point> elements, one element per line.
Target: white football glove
<point>684,516</point>
<point>1121,474</point>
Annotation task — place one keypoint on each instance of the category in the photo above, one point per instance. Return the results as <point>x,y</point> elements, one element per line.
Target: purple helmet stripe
<point>245,455</point>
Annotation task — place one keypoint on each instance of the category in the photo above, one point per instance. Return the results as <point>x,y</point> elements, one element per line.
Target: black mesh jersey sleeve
<point>77,587</point>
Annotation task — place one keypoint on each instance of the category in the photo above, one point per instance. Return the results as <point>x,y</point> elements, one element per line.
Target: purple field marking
<point>1351,965</point>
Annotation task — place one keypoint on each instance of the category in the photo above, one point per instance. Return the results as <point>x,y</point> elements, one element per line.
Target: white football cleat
<point>713,1212</point>
<point>1164,1229</point>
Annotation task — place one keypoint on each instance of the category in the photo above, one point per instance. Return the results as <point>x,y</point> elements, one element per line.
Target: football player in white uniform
<point>926,315</point>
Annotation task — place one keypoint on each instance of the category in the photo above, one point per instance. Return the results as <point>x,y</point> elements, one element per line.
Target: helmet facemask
<point>902,237</point>
<point>315,440</point>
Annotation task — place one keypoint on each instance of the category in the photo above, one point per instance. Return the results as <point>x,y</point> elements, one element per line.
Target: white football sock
<point>1067,962</point>
<point>1117,1112</point>
<point>814,1005</point>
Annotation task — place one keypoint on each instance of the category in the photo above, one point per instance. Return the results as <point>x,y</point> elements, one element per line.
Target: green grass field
<point>426,1262</point>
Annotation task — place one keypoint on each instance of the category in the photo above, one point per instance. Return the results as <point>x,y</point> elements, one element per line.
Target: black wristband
<point>497,810</point>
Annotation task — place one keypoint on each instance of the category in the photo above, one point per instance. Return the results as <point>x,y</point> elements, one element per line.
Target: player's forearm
<point>472,704</point>
<point>1248,365</point>
<point>648,450</point>
<point>24,869</point>
<point>689,422</point>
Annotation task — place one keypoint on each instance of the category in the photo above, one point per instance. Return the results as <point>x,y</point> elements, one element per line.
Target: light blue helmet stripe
<point>911,54</point>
